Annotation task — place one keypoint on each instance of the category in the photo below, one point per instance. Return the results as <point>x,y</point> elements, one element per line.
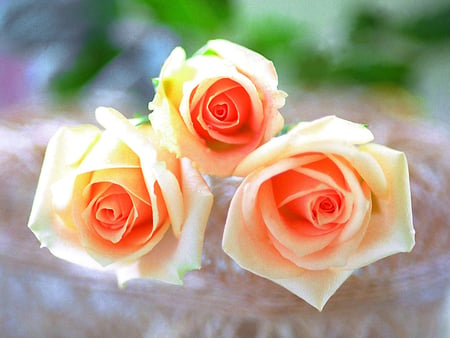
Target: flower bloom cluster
<point>314,205</point>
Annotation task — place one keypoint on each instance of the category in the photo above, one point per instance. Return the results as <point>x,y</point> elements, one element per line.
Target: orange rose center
<point>314,201</point>
<point>222,112</point>
<point>112,211</point>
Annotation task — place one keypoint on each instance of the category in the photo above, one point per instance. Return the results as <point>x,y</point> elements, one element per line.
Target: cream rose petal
<point>315,286</point>
<point>305,136</point>
<point>391,226</point>
<point>246,60</point>
<point>173,257</point>
<point>66,148</point>
<point>133,137</point>
<point>172,194</point>
<point>109,152</point>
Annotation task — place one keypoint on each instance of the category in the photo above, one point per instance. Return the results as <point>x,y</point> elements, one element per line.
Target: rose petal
<point>252,183</point>
<point>133,137</point>
<point>334,128</point>
<point>248,62</point>
<point>252,252</point>
<point>361,201</point>
<point>316,287</point>
<point>180,141</point>
<point>321,135</point>
<point>173,68</point>
<point>131,179</point>
<point>391,226</point>
<point>61,240</point>
<point>173,257</point>
<point>337,254</point>
<point>172,195</point>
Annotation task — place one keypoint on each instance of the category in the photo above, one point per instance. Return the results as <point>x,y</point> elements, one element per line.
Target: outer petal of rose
<point>315,286</point>
<point>249,249</point>
<point>108,152</point>
<point>173,197</point>
<point>391,226</point>
<point>173,77</point>
<point>65,149</point>
<point>133,137</point>
<point>173,68</point>
<point>327,131</point>
<point>211,68</point>
<point>247,61</point>
<point>172,257</point>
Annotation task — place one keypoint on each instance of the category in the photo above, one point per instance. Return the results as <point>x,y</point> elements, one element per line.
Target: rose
<point>217,106</point>
<point>113,199</point>
<point>316,204</point>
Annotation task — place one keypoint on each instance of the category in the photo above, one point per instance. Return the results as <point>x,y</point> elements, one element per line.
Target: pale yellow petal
<point>174,73</point>
<point>133,137</point>
<point>109,152</point>
<point>64,151</point>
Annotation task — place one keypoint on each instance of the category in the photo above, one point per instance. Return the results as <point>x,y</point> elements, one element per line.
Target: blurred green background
<point>91,51</point>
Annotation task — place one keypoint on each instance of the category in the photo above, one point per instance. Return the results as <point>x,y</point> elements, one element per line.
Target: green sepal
<point>285,129</point>
<point>206,51</point>
<point>155,81</point>
<point>140,119</point>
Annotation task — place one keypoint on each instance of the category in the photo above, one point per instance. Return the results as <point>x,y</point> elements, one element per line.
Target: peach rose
<point>316,204</point>
<point>113,199</point>
<point>217,106</point>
